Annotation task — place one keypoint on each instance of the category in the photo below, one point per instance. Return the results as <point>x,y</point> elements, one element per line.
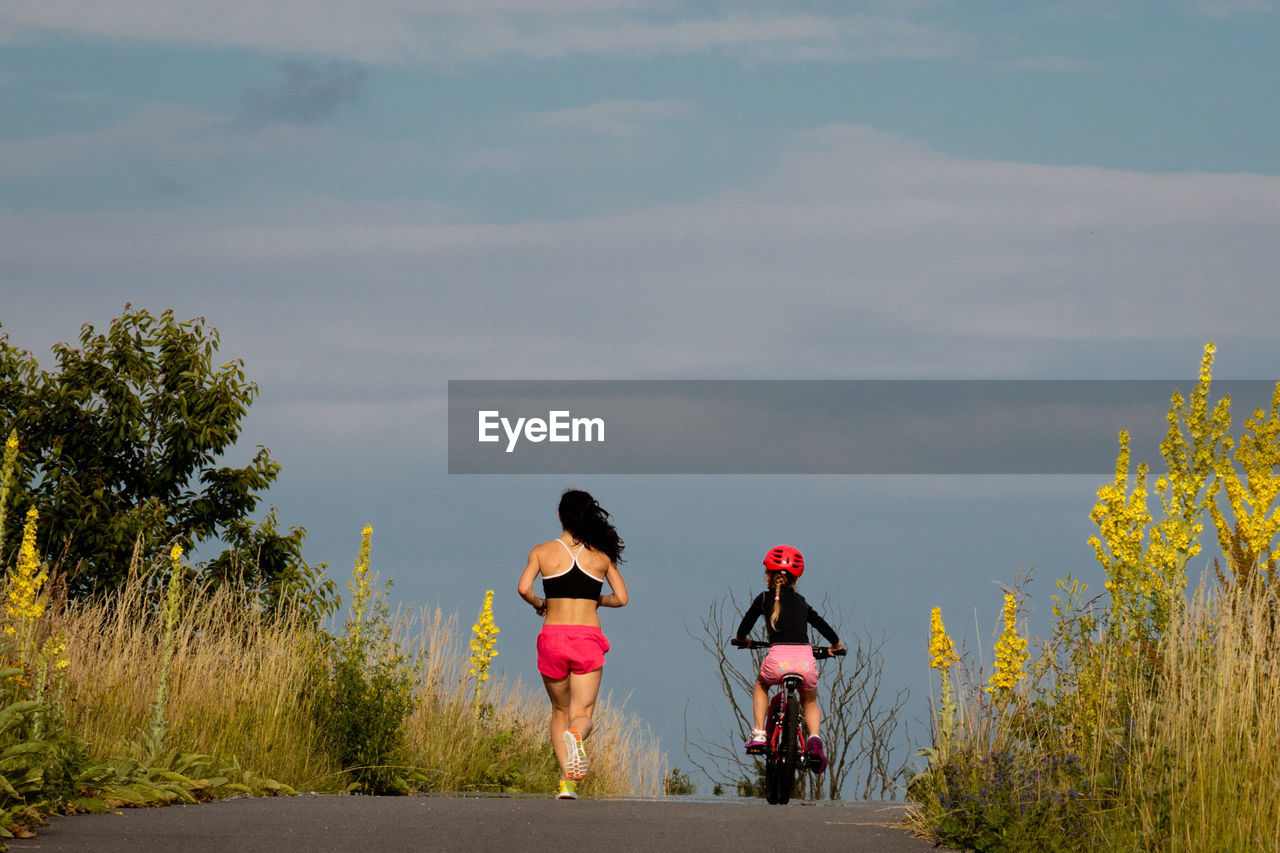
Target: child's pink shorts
<point>563,649</point>
<point>785,660</point>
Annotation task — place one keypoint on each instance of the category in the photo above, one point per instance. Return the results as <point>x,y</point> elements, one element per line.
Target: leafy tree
<point>268,564</point>
<point>121,449</point>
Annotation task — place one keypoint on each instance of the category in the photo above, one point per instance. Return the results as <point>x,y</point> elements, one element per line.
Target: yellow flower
<point>7,476</point>
<point>484,635</point>
<point>54,650</point>
<point>1248,537</point>
<point>942,652</point>
<point>1147,582</point>
<point>359,583</point>
<point>1011,652</point>
<point>26,604</point>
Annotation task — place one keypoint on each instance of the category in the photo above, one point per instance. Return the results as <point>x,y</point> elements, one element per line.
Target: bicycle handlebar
<point>819,652</point>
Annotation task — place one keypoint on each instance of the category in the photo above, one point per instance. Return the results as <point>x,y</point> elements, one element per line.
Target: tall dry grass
<point>239,682</point>
<point>1205,768</point>
<point>1173,748</point>
<point>507,746</point>
<point>242,685</point>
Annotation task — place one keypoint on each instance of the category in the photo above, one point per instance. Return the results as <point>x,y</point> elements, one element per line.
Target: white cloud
<point>163,133</point>
<point>860,254</point>
<point>602,135</point>
<point>1226,9</point>
<point>1056,64</point>
<point>621,118</point>
<point>403,30</point>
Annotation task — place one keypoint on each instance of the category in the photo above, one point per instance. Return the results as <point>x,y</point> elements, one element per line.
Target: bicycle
<point>785,750</point>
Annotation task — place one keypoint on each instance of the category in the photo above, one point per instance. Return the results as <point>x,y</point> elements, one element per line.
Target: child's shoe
<point>817,755</point>
<point>568,790</point>
<point>575,765</point>
<point>758,742</point>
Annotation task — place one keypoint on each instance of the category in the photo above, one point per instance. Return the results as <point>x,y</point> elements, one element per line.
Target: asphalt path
<point>322,823</point>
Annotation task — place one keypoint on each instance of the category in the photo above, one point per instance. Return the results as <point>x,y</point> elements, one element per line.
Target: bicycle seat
<point>792,681</point>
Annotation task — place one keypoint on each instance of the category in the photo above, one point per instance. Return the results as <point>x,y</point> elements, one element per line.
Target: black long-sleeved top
<point>793,622</point>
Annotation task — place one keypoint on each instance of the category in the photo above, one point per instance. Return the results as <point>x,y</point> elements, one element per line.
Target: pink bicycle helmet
<point>784,558</point>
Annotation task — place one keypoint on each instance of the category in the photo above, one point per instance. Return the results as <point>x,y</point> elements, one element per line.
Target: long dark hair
<point>588,522</point>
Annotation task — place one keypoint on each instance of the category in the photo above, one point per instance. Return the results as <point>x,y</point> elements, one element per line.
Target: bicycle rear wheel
<point>789,752</point>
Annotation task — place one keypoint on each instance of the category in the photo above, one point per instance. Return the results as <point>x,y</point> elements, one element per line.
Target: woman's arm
<point>618,597</point>
<point>525,587</point>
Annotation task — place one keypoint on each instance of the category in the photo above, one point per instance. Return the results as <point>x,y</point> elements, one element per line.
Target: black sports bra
<point>573,582</point>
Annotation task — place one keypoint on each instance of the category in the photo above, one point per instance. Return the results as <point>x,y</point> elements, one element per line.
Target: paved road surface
<point>318,824</point>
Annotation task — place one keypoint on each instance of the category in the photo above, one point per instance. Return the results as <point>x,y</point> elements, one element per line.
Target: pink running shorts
<point>785,660</point>
<point>563,649</point>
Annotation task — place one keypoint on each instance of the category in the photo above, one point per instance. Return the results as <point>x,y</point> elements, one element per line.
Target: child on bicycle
<point>788,617</point>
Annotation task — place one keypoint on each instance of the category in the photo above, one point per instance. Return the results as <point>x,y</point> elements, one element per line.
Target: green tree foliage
<point>268,565</point>
<point>121,446</point>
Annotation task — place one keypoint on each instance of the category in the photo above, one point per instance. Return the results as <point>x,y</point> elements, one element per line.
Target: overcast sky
<point>368,200</point>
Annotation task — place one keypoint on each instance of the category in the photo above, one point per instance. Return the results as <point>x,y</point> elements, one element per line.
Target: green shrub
<point>677,783</point>
<point>369,692</point>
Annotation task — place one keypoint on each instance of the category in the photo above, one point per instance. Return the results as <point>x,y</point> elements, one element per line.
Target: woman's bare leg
<point>584,688</point>
<point>573,702</point>
<point>559,693</point>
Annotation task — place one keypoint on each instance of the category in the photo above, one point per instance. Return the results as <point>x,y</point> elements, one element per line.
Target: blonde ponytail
<point>776,581</point>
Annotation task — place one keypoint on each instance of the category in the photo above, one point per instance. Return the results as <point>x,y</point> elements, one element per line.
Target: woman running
<point>571,646</point>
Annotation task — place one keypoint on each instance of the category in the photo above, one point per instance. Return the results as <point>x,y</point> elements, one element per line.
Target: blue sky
<point>369,200</point>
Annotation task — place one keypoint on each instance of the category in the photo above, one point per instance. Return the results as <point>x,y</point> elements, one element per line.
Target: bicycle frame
<point>786,750</point>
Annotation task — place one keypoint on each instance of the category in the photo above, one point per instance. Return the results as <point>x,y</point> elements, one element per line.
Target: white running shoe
<point>575,765</point>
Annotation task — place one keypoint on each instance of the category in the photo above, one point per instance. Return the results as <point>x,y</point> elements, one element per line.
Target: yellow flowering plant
<point>1113,711</point>
<point>942,651</point>
<point>359,585</point>
<point>1247,539</point>
<point>1146,562</point>
<point>8,470</point>
<point>484,635</point>
<point>1191,451</point>
<point>1011,654</point>
<point>1122,518</point>
<point>38,663</point>
<point>26,598</point>
<point>370,689</point>
<point>158,731</point>
<point>942,654</point>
